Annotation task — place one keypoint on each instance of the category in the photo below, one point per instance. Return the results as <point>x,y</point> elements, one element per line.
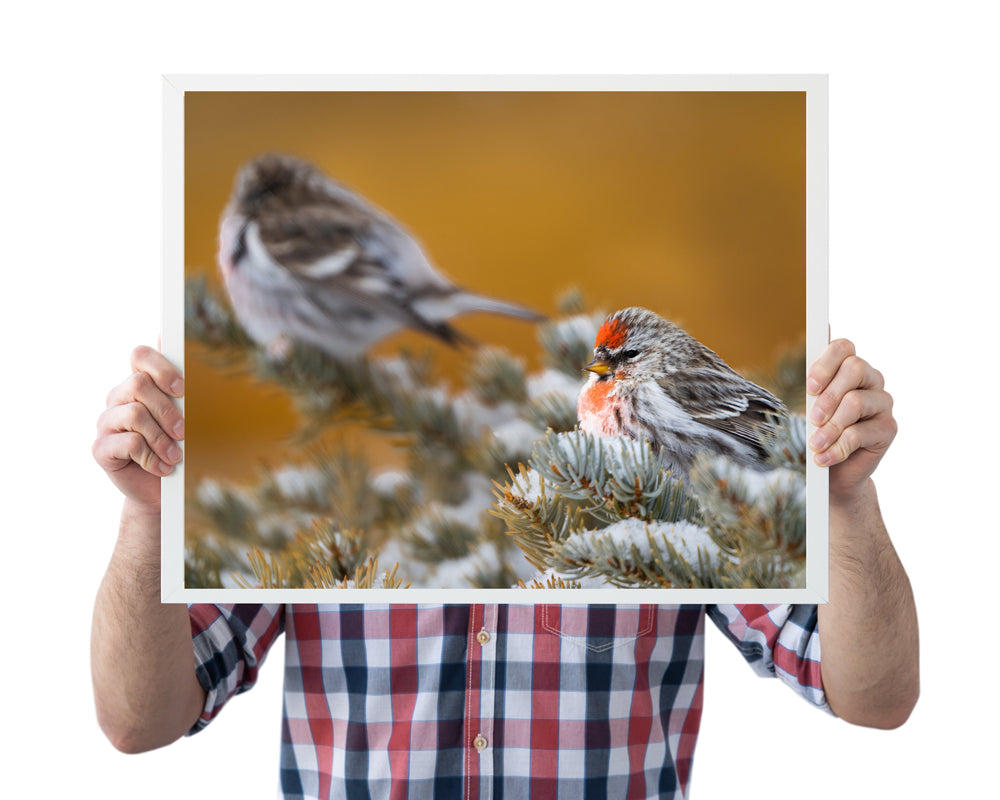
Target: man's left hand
<point>853,418</point>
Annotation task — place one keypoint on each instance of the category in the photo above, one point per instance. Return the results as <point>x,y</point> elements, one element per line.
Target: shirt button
<point>480,743</point>
<point>483,636</point>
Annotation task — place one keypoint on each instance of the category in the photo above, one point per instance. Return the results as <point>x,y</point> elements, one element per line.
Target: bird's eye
<point>630,354</point>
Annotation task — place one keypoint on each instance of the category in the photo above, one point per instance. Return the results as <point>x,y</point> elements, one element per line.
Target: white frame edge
<point>817,322</point>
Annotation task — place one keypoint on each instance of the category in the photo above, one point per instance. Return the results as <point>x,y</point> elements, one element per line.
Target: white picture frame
<point>175,90</point>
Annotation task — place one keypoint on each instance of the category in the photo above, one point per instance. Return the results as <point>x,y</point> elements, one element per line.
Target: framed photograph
<point>495,339</point>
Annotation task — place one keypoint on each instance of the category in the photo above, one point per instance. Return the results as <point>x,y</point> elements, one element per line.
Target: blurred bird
<point>650,379</point>
<point>306,259</point>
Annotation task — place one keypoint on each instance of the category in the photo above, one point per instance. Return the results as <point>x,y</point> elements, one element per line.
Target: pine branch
<point>439,538</point>
<point>367,577</point>
<point>581,510</point>
<point>787,379</point>
<point>266,570</point>
<point>286,510</point>
<point>496,377</point>
<point>759,518</point>
<point>612,478</point>
<point>210,321</point>
<point>550,581</point>
<point>568,343</point>
<point>537,519</point>
<point>390,394</point>
<point>574,508</point>
<point>553,411</point>
<point>786,445</point>
<point>633,553</point>
<point>268,574</point>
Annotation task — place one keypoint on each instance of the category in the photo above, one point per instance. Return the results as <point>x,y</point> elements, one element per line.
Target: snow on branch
<point>496,487</point>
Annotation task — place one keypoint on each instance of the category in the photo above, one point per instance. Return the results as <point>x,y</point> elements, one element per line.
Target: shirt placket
<point>480,698</point>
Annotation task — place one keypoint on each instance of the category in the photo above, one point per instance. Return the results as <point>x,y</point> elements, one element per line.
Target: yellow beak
<point>598,367</point>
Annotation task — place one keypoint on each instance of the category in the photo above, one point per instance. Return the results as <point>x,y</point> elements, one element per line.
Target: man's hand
<point>138,432</point>
<point>868,629</point>
<point>853,415</point>
<point>142,663</point>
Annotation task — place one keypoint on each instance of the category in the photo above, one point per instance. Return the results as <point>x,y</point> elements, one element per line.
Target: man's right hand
<point>145,687</point>
<point>138,432</point>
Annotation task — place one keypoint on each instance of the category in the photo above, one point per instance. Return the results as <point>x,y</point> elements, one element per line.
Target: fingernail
<point>817,416</point>
<point>177,387</point>
<point>824,458</point>
<point>174,453</point>
<point>164,469</point>
<point>179,430</point>
<point>817,441</point>
<point>812,386</point>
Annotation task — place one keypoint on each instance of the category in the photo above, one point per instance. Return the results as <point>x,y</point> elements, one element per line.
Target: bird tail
<point>446,307</point>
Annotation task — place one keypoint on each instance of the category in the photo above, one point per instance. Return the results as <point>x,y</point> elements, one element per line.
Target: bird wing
<point>368,283</point>
<point>314,241</point>
<point>325,247</point>
<point>725,401</point>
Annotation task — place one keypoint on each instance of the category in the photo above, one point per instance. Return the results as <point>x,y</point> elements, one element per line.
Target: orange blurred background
<point>690,203</point>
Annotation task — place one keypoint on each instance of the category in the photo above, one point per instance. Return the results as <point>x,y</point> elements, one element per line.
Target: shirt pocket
<point>597,628</point>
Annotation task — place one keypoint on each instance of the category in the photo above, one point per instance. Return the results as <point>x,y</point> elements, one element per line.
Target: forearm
<point>142,659</point>
<point>868,630</point>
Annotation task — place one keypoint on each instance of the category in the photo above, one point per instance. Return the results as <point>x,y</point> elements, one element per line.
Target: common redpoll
<point>651,380</point>
<point>306,259</point>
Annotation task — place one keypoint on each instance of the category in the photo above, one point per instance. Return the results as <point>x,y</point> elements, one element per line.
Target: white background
<point>914,211</point>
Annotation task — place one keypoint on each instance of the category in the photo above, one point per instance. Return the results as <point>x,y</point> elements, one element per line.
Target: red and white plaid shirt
<point>492,701</point>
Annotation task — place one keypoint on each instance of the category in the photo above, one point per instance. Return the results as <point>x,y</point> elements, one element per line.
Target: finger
<point>852,373</point>
<point>873,436</point>
<point>164,374</point>
<point>136,418</point>
<point>827,365</point>
<point>117,451</point>
<point>140,388</point>
<point>857,405</point>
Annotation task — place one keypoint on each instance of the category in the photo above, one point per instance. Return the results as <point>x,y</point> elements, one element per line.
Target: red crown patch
<point>612,334</point>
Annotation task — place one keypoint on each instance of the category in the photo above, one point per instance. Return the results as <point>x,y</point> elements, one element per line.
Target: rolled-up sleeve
<point>230,644</point>
<point>777,641</point>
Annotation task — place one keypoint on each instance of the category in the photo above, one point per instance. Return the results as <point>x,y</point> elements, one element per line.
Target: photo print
<point>528,339</point>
